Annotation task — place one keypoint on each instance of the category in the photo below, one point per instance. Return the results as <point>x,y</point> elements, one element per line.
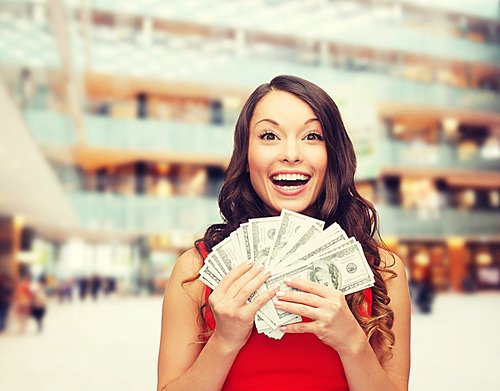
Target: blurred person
<point>425,296</point>
<point>26,88</point>
<point>22,301</point>
<point>354,342</point>
<point>83,284</point>
<point>95,286</point>
<point>6,294</point>
<point>39,302</point>
<point>65,290</point>
<point>468,282</point>
<point>109,285</point>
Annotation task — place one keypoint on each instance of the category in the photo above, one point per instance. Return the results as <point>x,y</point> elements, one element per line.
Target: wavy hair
<point>338,200</point>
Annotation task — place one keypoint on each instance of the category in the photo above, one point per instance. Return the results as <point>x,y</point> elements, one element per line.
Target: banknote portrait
<point>325,273</point>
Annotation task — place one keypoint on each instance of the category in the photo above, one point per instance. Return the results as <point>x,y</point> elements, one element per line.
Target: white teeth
<point>290,177</point>
<point>289,187</point>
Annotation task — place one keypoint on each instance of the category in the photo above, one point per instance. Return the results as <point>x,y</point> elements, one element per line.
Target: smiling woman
<point>291,150</point>
<point>287,157</point>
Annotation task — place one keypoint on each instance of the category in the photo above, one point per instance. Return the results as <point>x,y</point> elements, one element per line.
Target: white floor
<point>457,347</point>
<point>112,344</point>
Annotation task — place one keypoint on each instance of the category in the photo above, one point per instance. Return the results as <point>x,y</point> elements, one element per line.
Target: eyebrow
<point>277,124</point>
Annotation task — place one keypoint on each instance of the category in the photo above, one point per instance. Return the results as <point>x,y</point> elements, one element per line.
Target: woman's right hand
<point>234,316</point>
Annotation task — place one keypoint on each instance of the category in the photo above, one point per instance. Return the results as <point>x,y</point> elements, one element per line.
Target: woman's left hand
<point>332,320</point>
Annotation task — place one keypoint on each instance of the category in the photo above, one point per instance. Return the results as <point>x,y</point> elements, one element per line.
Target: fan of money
<point>294,245</point>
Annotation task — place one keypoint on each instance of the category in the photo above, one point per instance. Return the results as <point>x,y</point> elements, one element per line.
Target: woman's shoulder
<point>393,265</point>
<point>184,276</point>
<point>189,262</point>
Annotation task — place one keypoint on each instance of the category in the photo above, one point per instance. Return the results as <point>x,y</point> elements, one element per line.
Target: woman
<point>39,302</point>
<point>22,301</point>
<point>358,342</point>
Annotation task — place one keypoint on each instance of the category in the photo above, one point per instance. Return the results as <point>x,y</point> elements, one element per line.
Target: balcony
<point>153,215</point>
<point>137,214</point>
<point>399,222</point>
<point>175,59</point>
<point>50,128</point>
<point>421,155</point>
<point>352,23</point>
<point>173,136</point>
<point>132,134</point>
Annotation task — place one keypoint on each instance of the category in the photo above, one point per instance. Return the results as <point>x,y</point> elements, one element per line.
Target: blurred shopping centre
<point>117,121</point>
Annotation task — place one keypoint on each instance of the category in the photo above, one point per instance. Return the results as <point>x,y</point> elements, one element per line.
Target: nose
<point>291,152</point>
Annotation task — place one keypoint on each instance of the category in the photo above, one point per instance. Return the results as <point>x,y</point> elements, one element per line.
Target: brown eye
<point>313,137</point>
<point>268,136</point>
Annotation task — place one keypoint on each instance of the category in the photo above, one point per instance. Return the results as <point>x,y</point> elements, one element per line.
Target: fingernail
<point>283,328</point>
<point>276,287</point>
<point>260,267</point>
<point>287,280</point>
<point>280,294</point>
<point>249,261</point>
<point>266,271</point>
<point>277,303</point>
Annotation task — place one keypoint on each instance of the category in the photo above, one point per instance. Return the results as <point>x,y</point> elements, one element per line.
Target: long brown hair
<point>338,200</point>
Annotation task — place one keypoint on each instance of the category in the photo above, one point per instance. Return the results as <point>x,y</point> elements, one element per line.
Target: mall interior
<point>118,118</point>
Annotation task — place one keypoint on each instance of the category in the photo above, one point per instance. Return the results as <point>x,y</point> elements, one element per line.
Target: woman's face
<point>287,156</point>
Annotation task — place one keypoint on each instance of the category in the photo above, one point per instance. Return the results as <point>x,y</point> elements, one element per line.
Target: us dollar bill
<point>290,225</point>
<point>345,270</point>
<point>290,245</point>
<point>245,240</point>
<point>294,245</point>
<point>309,251</point>
<point>226,255</point>
<point>262,233</point>
<point>213,262</point>
<point>208,277</point>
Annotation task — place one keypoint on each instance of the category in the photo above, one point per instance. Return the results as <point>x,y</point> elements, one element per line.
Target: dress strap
<point>209,323</point>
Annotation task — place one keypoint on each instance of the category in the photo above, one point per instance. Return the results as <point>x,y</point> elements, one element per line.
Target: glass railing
<point>366,25</point>
<point>423,155</point>
<point>50,127</point>
<point>196,65</point>
<point>397,221</point>
<point>149,134</point>
<point>217,141</point>
<point>144,214</point>
<point>481,8</point>
<point>155,215</point>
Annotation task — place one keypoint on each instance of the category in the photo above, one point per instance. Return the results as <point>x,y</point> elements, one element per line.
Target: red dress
<point>296,362</point>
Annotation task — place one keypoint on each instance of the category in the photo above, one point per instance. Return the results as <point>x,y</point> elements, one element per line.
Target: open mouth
<point>290,181</point>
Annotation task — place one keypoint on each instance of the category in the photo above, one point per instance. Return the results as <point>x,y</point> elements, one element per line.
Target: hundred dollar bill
<point>294,245</point>
<point>206,282</point>
<point>290,225</point>
<point>244,241</point>
<point>263,324</point>
<point>273,331</point>
<point>310,250</point>
<point>261,236</point>
<point>333,248</point>
<point>290,245</point>
<point>345,270</point>
<point>235,240</point>
<point>209,277</point>
<point>226,254</point>
<point>276,333</point>
<point>212,280</point>
<point>213,263</point>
